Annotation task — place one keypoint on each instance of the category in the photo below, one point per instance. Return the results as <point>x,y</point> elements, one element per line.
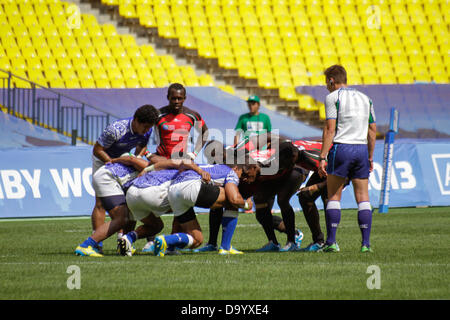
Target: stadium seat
<point>317,33</point>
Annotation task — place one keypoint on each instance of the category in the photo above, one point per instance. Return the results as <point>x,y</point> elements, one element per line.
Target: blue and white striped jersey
<point>124,174</point>
<point>155,178</point>
<point>221,174</point>
<point>118,138</point>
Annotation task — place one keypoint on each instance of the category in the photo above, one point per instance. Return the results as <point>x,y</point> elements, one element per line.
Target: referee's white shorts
<point>183,196</point>
<point>142,201</point>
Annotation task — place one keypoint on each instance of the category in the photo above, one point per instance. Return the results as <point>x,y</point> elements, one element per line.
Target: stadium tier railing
<point>51,109</point>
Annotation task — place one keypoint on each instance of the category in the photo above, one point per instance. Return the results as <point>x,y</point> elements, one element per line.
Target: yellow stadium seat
<point>118,83</point>
<point>317,80</point>
<point>99,72</point>
<point>38,40</point>
<point>114,74</point>
<point>29,52</point>
<point>388,79</point>
<point>441,77</point>
<point>405,78</point>
<point>72,84</point>
<point>288,93</point>
<point>133,51</point>
<point>68,74</point>
<point>125,63</point>
<point>102,83</point>
<point>191,81</point>
<point>52,74</point>
<point>206,80</point>
<point>59,52</point>
<point>132,83</point>
<point>104,53</point>
<point>227,88</point>
<point>57,83</point>
<point>247,72</point>
<point>307,103</point>
<point>84,74</point>
<point>148,21</point>
<point>64,63</point>
<point>34,63</point>
<point>147,51</point>
<point>322,113</point>
<point>87,83</point>
<point>37,76</point>
<point>147,83</point>
<point>127,10</point>
<point>267,83</point>
<point>5,63</point>
<point>422,76</point>
<point>161,82</point>
<point>139,62</point>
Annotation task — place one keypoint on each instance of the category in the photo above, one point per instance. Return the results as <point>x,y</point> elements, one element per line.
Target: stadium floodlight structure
<point>387,161</point>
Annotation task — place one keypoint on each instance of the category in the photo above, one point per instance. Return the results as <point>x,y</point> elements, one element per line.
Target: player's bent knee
<point>198,239</point>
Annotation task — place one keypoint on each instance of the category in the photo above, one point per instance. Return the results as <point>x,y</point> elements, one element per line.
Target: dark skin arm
<point>99,152</point>
<point>234,197</point>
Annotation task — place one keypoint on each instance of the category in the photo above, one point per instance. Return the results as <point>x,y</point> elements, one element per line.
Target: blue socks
<point>89,242</point>
<point>178,240</point>
<point>132,236</point>
<point>332,218</point>
<point>228,227</point>
<point>365,221</point>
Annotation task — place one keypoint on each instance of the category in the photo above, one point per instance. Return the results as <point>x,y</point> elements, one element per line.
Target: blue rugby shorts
<point>349,161</point>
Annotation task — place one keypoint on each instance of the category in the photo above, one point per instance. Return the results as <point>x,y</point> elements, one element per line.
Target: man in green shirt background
<point>253,122</point>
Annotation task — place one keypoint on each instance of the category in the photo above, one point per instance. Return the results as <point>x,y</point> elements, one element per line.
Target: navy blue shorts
<point>349,161</point>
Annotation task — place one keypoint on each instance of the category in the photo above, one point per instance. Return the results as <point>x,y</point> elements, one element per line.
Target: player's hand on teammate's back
<point>206,176</point>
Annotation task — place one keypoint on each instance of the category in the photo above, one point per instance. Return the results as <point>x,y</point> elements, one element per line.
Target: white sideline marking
<point>44,219</point>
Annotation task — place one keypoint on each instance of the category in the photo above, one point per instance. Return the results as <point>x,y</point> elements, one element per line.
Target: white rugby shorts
<point>96,164</point>
<point>183,196</point>
<point>142,201</point>
<point>105,183</point>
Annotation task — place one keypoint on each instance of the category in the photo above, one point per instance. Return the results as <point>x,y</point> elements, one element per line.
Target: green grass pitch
<point>411,252</point>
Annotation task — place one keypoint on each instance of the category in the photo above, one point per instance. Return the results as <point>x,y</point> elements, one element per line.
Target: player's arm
<point>100,152</point>
<point>138,163</point>
<point>190,165</point>
<point>154,158</point>
<point>234,197</point>
<point>327,140</point>
<point>140,151</point>
<point>371,138</point>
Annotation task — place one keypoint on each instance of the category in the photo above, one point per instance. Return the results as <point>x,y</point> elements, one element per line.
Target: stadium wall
<point>56,181</point>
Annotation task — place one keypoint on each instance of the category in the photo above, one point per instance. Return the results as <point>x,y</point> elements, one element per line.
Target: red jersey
<point>308,157</point>
<point>173,130</point>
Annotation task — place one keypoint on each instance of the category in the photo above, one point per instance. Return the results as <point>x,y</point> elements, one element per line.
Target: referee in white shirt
<point>348,145</point>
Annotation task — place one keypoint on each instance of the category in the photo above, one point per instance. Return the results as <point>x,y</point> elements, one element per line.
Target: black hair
<point>176,86</point>
<point>286,152</point>
<point>146,114</point>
